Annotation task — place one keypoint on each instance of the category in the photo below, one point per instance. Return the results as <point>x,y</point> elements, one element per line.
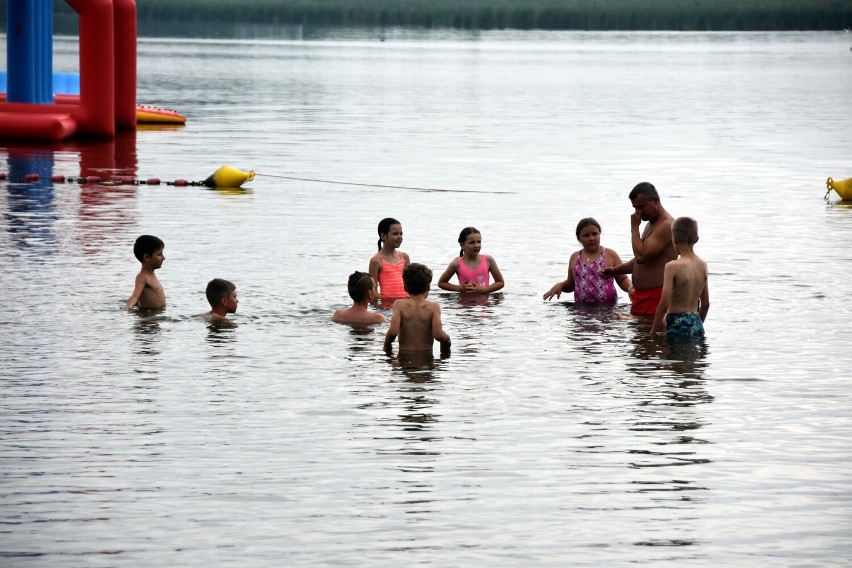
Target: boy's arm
<point>704,301</point>
<point>138,288</point>
<point>444,280</point>
<point>393,329</point>
<point>438,329</point>
<point>663,306</point>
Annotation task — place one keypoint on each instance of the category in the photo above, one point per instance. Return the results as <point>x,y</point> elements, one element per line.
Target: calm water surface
<point>552,434</point>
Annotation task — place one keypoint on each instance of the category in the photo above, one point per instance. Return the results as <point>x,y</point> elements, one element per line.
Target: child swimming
<point>472,268</point>
<point>222,297</point>
<point>360,289</point>
<point>386,265</point>
<point>584,267</point>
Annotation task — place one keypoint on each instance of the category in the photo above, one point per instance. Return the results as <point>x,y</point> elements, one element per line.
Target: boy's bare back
<point>688,276</point>
<point>417,322</point>
<point>357,315</point>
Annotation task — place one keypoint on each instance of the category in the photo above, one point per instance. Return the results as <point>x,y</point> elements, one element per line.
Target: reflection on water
<point>30,215</point>
<point>103,206</point>
<point>147,331</point>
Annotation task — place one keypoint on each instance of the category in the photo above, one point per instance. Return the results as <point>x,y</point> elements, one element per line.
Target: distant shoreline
<point>593,15</point>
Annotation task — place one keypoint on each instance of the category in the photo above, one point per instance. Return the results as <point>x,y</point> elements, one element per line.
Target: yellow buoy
<point>842,187</point>
<point>226,176</point>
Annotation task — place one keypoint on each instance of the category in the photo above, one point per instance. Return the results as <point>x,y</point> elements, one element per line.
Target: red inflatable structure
<point>107,100</point>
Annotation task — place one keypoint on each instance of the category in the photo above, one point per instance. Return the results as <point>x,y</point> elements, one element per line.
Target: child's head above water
<point>218,289</point>
<point>585,223</point>
<point>465,233</point>
<point>685,230</point>
<point>146,244</point>
<point>360,284</point>
<point>385,228</point>
<point>416,278</point>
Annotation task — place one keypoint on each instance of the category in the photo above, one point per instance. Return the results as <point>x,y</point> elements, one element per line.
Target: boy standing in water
<point>222,296</point>
<point>148,292</point>
<point>360,286</point>
<point>686,297</point>
<point>416,320</point>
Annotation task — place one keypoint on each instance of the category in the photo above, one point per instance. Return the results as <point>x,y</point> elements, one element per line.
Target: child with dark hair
<point>386,265</point>
<point>585,266</point>
<point>222,296</point>
<point>360,286</point>
<point>148,291</point>
<point>472,268</point>
<point>416,320</point>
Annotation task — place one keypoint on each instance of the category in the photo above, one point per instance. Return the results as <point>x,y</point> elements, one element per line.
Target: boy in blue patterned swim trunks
<point>686,297</point>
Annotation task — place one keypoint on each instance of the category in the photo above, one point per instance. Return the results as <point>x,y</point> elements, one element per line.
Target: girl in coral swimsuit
<point>472,268</point>
<point>387,264</point>
<point>583,268</point>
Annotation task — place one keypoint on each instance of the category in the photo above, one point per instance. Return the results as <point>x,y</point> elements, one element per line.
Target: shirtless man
<point>416,320</point>
<point>651,251</point>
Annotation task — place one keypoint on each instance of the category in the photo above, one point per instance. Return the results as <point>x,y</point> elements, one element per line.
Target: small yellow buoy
<point>842,187</point>
<point>226,176</point>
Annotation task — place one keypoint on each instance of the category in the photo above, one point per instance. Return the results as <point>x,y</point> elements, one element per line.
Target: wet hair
<point>463,236</point>
<point>359,284</point>
<point>585,223</point>
<point>217,289</point>
<point>646,189</point>
<point>384,227</point>
<point>416,278</point>
<point>146,244</point>
<point>685,230</point>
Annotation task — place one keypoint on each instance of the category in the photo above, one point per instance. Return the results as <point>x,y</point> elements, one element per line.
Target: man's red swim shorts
<point>645,301</point>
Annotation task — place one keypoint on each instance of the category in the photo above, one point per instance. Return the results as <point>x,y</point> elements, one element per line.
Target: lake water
<point>551,435</point>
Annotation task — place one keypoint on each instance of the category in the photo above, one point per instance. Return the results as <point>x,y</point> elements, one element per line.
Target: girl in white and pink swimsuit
<point>472,268</point>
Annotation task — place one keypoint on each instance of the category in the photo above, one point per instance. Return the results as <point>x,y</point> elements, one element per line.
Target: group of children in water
<point>593,272</point>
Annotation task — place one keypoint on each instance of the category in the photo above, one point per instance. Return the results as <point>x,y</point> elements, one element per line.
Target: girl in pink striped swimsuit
<point>584,267</point>
<point>471,268</point>
<point>387,264</point>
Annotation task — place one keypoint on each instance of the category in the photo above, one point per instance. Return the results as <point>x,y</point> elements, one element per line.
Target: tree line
<point>683,15</point>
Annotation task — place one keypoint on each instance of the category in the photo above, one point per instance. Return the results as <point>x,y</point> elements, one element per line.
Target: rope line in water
<point>379,185</point>
<point>127,180</point>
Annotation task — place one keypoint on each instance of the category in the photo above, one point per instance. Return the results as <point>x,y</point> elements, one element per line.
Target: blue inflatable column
<point>29,54</point>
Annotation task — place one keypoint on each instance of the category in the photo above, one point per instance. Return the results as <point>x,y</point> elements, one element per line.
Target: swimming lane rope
<point>228,177</point>
<point>315,180</point>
